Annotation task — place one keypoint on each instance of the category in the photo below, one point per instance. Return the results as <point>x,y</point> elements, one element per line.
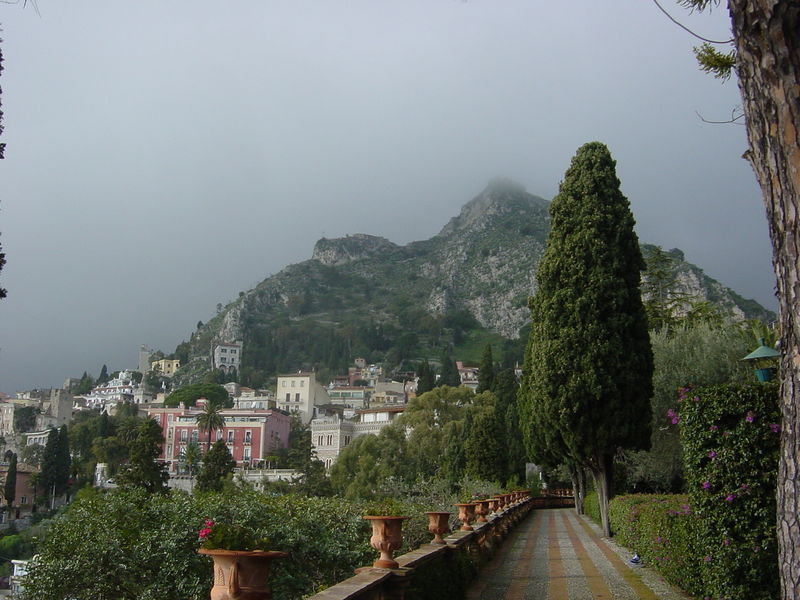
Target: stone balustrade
<point>435,571</point>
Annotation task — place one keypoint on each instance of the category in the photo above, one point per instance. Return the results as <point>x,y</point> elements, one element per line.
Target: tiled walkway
<point>556,555</point>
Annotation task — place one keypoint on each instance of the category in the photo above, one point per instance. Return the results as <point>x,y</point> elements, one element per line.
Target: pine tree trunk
<point>767,36</point>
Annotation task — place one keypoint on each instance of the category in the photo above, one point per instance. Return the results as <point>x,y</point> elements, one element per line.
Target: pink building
<point>250,434</point>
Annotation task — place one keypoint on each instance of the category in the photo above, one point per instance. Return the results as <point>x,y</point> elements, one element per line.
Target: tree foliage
<point>426,378</point>
<point>214,393</point>
<point>589,362</point>
<point>486,375</point>
<point>56,461</point>
<point>217,465</point>
<point>25,418</point>
<point>699,355</point>
<point>10,485</point>
<point>143,469</point>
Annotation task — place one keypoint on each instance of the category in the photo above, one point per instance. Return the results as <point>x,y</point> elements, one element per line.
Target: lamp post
<point>763,361</point>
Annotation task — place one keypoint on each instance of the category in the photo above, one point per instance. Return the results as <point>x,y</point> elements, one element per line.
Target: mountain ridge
<point>362,293</point>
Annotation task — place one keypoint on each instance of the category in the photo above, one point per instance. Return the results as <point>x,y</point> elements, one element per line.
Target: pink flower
<point>744,487</point>
<point>775,427</point>
<point>712,455</point>
<point>707,559</point>
<point>730,498</point>
<point>713,428</point>
<point>706,485</point>
<point>750,416</point>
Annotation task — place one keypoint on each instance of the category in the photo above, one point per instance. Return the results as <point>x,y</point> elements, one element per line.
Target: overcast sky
<point>162,156</point>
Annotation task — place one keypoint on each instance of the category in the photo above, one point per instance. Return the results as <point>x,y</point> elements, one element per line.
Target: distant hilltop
<point>365,295</point>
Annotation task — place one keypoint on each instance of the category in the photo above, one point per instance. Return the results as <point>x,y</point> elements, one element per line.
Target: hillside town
<point>256,422</point>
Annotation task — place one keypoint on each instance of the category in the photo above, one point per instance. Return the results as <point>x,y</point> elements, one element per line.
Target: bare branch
<point>736,114</point>
<point>682,26</point>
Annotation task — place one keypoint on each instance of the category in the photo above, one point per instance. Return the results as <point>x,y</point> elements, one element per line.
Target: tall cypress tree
<point>10,487</point>
<point>426,380</point>
<point>589,362</point>
<point>50,460</point>
<point>449,375</point>
<point>486,375</point>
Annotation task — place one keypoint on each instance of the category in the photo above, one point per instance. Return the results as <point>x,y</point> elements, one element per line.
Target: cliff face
<point>482,261</point>
<point>353,247</point>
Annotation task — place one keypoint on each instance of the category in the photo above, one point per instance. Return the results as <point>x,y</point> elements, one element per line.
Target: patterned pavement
<point>556,555</point>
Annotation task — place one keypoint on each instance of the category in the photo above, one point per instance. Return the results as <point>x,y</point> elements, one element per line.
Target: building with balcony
<point>250,434</point>
<point>300,393</point>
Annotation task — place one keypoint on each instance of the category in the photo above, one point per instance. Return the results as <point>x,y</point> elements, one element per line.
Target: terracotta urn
<point>387,536</point>
<point>466,514</point>
<point>482,509</point>
<point>494,505</point>
<point>501,502</point>
<point>438,525</point>
<point>240,575</point>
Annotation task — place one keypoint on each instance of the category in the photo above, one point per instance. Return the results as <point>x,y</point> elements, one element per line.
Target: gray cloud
<point>163,156</point>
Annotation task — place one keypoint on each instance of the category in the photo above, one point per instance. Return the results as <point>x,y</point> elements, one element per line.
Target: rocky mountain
<point>363,295</point>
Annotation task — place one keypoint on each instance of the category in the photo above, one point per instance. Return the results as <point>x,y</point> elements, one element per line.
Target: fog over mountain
<point>162,157</point>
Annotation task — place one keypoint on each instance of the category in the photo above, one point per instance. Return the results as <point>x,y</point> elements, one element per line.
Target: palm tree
<point>210,419</point>
<point>190,459</point>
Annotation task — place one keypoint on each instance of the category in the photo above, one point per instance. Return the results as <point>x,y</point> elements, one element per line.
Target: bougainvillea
<point>731,440</point>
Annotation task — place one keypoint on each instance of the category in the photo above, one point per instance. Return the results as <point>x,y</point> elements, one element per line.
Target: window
<point>223,350</point>
<point>169,418</point>
<point>184,435</point>
<point>230,436</point>
<point>302,383</point>
<point>247,436</point>
<point>330,440</point>
<point>319,440</point>
<point>283,383</point>
<point>346,440</point>
<point>23,500</point>
<point>195,435</point>
<point>293,382</point>
<point>233,351</point>
<point>297,397</point>
<point>288,396</point>
<point>223,359</point>
<point>247,453</point>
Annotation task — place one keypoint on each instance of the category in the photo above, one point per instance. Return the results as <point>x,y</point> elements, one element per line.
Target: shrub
<point>724,546</point>
<point>591,506</point>
<point>662,530</point>
<point>127,544</point>
<point>731,443</point>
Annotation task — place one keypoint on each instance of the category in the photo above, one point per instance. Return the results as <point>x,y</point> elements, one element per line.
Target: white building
<point>300,393</point>
<point>227,356</point>
<point>120,389</point>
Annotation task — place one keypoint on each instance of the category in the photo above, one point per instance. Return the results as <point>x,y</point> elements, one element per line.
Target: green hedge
<point>591,506</point>
<point>663,530</point>
<point>719,541</point>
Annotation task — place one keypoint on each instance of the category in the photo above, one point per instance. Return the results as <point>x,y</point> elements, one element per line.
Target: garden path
<point>557,555</point>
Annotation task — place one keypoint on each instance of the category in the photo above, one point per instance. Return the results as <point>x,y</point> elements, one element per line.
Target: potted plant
<point>241,561</point>
<point>386,517</point>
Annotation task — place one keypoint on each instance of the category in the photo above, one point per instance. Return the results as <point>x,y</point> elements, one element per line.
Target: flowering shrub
<point>731,440</point>
<point>230,536</point>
